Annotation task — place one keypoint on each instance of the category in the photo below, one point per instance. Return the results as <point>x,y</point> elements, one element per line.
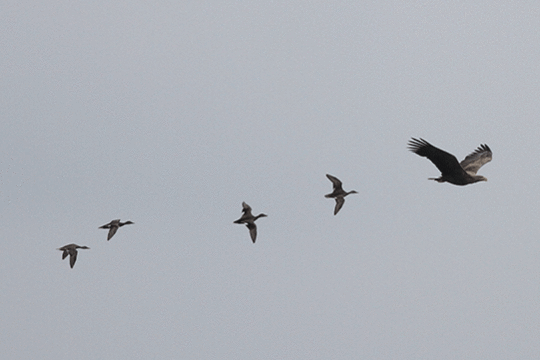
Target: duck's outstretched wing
<point>339,204</point>
<point>246,214</point>
<point>112,231</point>
<point>246,209</point>
<point>252,230</point>
<point>335,182</point>
<point>72,258</point>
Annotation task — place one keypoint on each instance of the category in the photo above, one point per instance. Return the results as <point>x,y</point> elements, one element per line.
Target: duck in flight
<point>338,193</point>
<point>248,219</point>
<point>71,250</point>
<point>452,171</point>
<point>113,227</point>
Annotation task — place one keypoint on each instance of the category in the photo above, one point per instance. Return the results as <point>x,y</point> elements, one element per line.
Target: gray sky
<point>170,114</point>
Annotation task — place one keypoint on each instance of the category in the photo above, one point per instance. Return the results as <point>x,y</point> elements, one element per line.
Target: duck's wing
<point>65,254</point>
<point>252,231</point>
<point>339,204</point>
<point>478,158</point>
<point>72,258</point>
<point>246,214</point>
<point>246,209</point>
<point>335,182</point>
<point>112,231</point>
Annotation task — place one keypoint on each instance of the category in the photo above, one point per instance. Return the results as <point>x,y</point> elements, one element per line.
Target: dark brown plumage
<point>452,171</point>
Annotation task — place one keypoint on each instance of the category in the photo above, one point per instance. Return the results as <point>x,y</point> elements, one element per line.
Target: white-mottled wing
<point>478,158</point>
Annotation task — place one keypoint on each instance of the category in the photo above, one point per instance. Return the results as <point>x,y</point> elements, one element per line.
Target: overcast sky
<point>171,113</point>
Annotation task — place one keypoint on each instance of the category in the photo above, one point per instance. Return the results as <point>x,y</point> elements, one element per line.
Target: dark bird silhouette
<point>248,219</point>
<point>338,193</point>
<point>452,171</point>
<point>113,227</point>
<point>71,250</point>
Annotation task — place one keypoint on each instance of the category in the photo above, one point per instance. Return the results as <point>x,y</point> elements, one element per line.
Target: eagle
<point>452,171</point>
